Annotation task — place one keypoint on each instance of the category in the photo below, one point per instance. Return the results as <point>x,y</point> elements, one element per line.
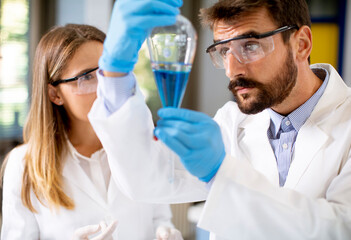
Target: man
<point>276,161</point>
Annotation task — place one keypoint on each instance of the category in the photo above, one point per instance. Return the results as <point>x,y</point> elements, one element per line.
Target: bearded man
<point>274,163</point>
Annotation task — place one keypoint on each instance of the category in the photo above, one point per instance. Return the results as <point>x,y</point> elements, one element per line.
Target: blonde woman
<point>58,184</point>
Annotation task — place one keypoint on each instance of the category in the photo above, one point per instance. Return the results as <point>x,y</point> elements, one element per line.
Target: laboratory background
<point>23,22</point>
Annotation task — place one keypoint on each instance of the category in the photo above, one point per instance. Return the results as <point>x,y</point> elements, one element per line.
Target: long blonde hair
<point>47,123</point>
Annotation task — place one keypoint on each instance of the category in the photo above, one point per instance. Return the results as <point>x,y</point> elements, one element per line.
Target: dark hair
<point>282,12</point>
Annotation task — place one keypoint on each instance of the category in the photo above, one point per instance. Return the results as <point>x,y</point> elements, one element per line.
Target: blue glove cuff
<point>214,170</point>
<point>108,64</point>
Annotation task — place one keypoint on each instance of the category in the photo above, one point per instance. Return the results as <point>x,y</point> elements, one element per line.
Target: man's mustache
<point>242,82</point>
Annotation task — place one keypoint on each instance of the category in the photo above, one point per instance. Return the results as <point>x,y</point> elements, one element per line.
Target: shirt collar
<point>276,120</point>
<point>77,157</point>
<point>299,116</point>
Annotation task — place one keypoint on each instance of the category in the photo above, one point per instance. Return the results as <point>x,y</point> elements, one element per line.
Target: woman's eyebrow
<point>83,71</point>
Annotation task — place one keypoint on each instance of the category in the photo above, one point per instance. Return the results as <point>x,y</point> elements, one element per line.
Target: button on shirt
<point>283,130</point>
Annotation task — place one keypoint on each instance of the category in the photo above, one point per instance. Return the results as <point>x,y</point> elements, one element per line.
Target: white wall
<point>212,83</point>
<point>92,12</point>
<point>347,47</point>
<point>213,90</point>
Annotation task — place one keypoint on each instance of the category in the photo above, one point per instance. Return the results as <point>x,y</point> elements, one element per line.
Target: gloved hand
<point>84,233</point>
<point>130,23</point>
<point>195,137</point>
<point>167,233</point>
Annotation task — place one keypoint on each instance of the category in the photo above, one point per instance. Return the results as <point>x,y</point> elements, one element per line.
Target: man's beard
<point>269,94</point>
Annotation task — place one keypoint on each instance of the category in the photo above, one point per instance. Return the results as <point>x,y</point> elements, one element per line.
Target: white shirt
<point>96,168</point>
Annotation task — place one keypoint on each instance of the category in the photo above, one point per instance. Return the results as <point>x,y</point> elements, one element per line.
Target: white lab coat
<point>135,220</point>
<point>245,200</point>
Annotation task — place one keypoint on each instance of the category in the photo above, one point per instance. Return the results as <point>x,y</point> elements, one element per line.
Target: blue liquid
<point>171,81</point>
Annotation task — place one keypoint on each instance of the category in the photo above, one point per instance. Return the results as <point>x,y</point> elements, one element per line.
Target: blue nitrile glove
<point>195,137</point>
<point>130,23</point>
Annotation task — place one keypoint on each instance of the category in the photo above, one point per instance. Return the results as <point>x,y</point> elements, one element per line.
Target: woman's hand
<point>106,231</point>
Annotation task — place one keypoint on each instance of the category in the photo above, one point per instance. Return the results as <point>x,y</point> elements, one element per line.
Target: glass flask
<point>172,51</point>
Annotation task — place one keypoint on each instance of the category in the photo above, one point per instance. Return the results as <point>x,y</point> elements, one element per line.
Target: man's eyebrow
<point>248,33</point>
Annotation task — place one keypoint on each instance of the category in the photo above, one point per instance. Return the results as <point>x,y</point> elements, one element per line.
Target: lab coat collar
<point>75,175</point>
<point>253,132</point>
<point>73,172</point>
<point>263,158</point>
<point>335,93</point>
<point>305,151</point>
<point>312,131</point>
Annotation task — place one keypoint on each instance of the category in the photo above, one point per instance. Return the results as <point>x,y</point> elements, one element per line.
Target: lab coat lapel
<point>253,134</point>
<point>311,136</point>
<point>305,151</point>
<point>112,191</point>
<point>75,175</point>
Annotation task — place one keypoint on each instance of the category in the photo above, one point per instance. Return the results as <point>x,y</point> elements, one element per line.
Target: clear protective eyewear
<point>245,48</point>
<point>86,82</point>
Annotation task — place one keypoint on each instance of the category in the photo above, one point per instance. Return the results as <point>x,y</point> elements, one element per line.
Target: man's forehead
<point>255,23</point>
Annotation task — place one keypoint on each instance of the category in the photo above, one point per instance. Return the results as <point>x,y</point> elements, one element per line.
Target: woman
<point>58,185</point>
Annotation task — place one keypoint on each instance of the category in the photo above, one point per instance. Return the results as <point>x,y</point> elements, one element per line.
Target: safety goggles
<point>245,48</point>
<point>85,82</point>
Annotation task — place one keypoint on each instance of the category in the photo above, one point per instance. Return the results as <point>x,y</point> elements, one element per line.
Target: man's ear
<point>303,38</point>
<point>54,96</point>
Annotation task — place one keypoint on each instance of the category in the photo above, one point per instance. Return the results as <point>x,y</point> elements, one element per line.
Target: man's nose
<point>233,67</point>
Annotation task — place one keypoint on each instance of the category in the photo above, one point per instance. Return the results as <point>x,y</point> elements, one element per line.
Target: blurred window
<point>14,47</point>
